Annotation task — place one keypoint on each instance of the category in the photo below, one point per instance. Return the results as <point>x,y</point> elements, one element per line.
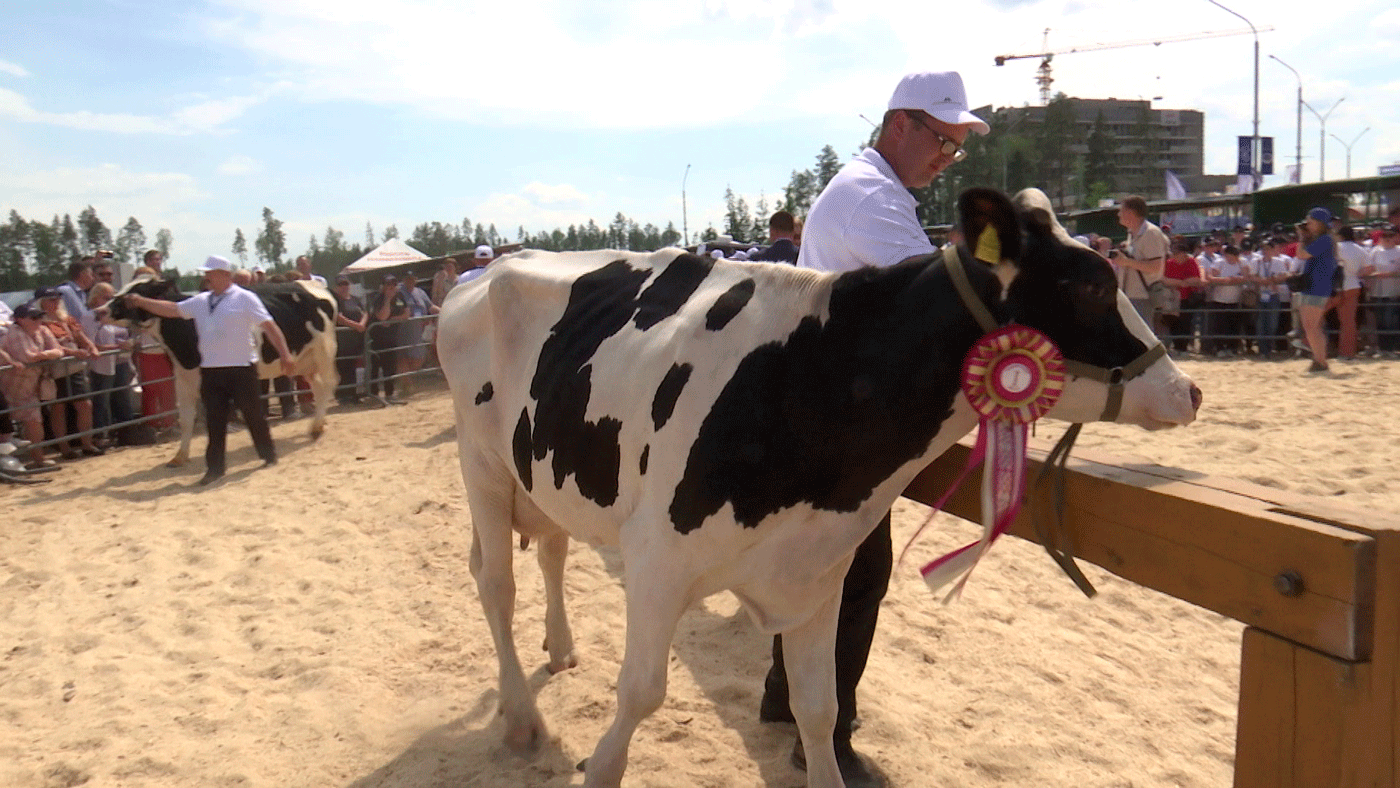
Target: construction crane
<point>1044,80</point>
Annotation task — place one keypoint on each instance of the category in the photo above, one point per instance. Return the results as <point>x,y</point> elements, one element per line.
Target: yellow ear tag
<point>988,246</point>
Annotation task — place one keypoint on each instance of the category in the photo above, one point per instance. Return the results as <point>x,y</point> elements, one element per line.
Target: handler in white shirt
<point>230,322</point>
<point>865,217</point>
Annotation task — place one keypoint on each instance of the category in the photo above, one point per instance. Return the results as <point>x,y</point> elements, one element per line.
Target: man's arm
<point>155,306</point>
<point>279,342</point>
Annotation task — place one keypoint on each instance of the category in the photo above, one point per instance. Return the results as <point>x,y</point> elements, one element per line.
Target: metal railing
<point>131,388</point>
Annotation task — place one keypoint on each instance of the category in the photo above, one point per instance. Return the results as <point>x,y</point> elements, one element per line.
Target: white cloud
<point>203,117</point>
<point>241,165</point>
<point>557,194</point>
<point>13,69</point>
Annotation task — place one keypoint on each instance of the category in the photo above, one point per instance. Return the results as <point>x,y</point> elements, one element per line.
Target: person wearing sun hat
<point>1318,251</point>
<point>866,217</point>
<point>230,322</point>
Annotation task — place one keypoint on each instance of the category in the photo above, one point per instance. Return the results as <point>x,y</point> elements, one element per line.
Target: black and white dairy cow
<point>305,311</point>
<point>744,427</point>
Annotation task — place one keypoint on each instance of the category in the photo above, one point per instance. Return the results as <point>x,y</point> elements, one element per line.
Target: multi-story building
<point>1145,142</point>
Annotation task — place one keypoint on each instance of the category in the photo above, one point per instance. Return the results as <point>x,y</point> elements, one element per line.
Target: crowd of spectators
<point>1231,298</point>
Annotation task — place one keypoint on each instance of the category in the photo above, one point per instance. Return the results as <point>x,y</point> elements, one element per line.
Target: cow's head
<point>119,310</point>
<point>1066,290</point>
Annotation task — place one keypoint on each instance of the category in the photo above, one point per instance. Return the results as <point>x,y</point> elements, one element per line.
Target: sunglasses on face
<point>948,148</point>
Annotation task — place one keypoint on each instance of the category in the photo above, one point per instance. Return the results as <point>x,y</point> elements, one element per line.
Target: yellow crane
<point>1044,79</point>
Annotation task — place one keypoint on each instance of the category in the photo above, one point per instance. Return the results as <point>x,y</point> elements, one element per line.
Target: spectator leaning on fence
<point>1268,272</point>
<point>31,346</point>
<point>110,403</point>
<point>154,369</point>
<point>386,310</point>
<point>1182,272</point>
<point>1383,284</point>
<point>74,290</point>
<point>414,336</point>
<point>1225,280</point>
<point>1352,258</point>
<point>351,320</point>
<point>70,377</point>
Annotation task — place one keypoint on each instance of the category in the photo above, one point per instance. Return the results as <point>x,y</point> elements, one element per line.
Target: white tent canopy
<point>390,254</point>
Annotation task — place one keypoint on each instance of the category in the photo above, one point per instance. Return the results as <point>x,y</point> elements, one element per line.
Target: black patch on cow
<point>298,312</point>
<point>664,403</point>
<point>487,392</point>
<point>671,289</point>
<point>642,463</point>
<point>729,305</point>
<point>181,341</point>
<point>520,450</point>
<point>829,413</point>
<point>601,303</point>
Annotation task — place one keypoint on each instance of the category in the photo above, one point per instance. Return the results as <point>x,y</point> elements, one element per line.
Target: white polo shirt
<point>227,325</point>
<point>863,217</point>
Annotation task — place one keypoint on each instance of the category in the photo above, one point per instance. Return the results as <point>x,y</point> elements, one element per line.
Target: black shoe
<point>854,770</point>
<point>211,477</point>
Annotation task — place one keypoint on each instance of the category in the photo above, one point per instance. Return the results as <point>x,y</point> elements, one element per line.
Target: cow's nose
<point>1195,397</point>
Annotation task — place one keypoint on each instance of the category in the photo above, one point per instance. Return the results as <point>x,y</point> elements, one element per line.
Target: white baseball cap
<point>484,252</point>
<point>940,94</point>
<point>216,263</point>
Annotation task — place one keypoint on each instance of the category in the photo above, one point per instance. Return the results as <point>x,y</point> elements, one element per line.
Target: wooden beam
<point>1223,545</point>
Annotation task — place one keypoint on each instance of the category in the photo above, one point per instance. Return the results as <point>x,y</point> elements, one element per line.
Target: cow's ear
<point>990,225</point>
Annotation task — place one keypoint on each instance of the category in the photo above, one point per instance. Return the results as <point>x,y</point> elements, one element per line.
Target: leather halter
<point>1116,378</point>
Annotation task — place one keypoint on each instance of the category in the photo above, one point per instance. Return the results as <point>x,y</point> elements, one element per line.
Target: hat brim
<point>963,118</point>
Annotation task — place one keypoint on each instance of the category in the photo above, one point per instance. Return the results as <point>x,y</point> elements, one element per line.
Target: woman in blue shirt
<point>1318,250</point>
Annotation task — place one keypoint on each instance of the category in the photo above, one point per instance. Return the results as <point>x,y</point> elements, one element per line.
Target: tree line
<point>34,252</point>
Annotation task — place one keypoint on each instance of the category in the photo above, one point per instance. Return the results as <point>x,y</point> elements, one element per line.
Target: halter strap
<point>954,263</point>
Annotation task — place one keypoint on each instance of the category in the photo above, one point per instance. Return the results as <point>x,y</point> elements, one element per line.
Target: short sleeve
<point>881,235</point>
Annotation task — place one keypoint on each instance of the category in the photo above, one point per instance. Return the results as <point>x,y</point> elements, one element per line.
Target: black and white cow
<point>305,311</point>
<point>743,427</point>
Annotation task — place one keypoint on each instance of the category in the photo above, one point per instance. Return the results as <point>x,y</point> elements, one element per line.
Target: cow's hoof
<point>570,662</point>
<point>525,739</point>
<point>317,431</point>
<point>582,765</point>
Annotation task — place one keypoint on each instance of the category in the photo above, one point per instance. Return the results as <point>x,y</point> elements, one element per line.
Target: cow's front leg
<point>655,600</point>
<point>323,381</point>
<point>491,565</point>
<point>809,652</point>
<point>558,639</point>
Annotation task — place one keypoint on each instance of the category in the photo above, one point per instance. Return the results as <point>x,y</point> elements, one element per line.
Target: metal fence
<point>373,358</point>
<point>1273,326</point>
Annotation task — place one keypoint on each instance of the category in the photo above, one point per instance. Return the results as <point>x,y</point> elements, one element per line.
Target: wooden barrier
<point>1318,586</point>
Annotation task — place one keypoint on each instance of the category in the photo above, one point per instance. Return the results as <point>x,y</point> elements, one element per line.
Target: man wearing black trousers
<point>230,322</point>
<point>866,216</point>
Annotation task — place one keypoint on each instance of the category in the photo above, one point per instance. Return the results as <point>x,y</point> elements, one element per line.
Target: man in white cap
<point>865,217</point>
<point>230,322</point>
<point>480,259</point>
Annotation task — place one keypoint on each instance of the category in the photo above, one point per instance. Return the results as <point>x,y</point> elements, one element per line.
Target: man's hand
<point>289,366</point>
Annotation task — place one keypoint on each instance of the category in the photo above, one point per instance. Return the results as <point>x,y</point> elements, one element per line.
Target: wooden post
<point>1318,584</point>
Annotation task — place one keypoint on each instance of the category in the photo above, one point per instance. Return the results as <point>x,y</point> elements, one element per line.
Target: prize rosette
<point>1013,374</point>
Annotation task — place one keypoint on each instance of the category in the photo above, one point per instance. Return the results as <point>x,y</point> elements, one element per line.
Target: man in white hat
<point>230,322</point>
<point>865,217</point>
<point>480,259</point>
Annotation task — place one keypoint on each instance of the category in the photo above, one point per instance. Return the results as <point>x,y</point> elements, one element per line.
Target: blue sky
<point>193,115</point>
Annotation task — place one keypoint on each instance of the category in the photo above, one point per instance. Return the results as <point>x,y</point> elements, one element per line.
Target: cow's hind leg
<point>558,639</point>
<point>186,403</point>
<point>655,600</point>
<point>323,381</point>
<point>489,494</point>
<point>809,652</point>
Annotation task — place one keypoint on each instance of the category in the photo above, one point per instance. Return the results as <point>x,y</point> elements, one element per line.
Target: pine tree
<point>828,164</point>
<point>130,240</point>
<point>165,241</point>
<point>93,234</point>
<point>240,246</point>
<point>271,243</point>
<point>369,236</point>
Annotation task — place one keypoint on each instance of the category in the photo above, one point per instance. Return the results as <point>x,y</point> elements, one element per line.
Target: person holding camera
<point>1141,263</point>
<point>387,309</point>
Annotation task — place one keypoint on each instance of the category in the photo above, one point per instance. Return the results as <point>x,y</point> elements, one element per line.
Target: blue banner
<point>1246,157</point>
<point>1266,155</point>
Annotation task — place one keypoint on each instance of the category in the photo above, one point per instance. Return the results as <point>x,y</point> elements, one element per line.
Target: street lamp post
<point>1299,155</point>
<point>1322,137</point>
<point>1254,143</point>
<point>1348,145</point>
<point>685,226</point>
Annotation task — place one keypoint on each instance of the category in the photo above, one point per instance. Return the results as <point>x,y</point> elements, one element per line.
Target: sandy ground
<point>316,625</point>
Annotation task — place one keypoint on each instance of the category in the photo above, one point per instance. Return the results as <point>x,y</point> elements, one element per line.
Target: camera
<point>105,254</point>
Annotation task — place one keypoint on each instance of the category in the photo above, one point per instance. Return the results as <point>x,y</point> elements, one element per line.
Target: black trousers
<point>866,583</point>
<point>224,387</point>
<point>383,365</point>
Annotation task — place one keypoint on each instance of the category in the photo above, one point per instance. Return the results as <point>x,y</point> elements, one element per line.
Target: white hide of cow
<point>555,376</point>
